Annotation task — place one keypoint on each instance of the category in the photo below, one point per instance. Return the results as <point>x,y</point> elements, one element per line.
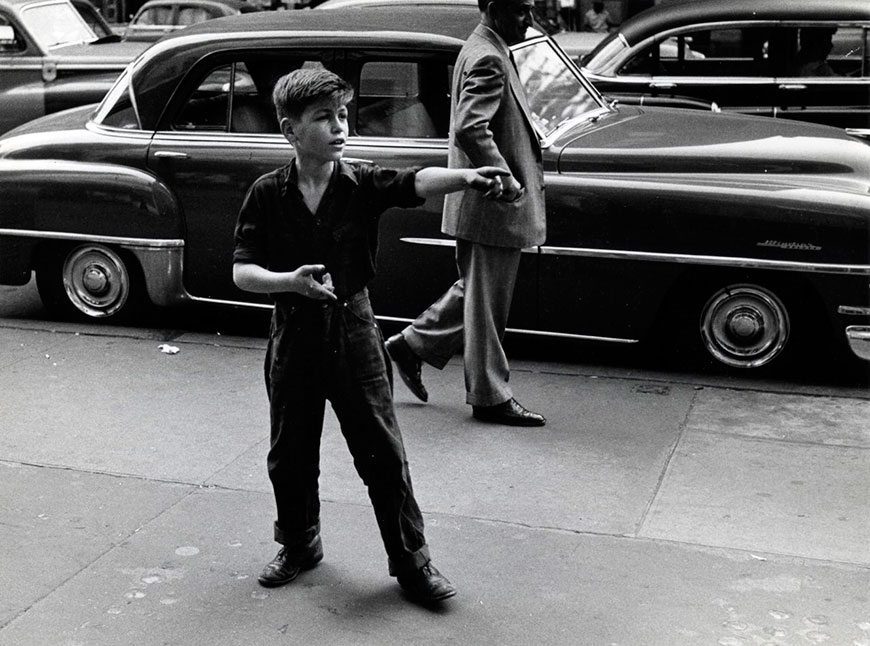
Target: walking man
<point>490,126</point>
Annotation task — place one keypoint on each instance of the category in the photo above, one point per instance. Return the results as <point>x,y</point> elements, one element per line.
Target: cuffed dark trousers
<point>335,351</point>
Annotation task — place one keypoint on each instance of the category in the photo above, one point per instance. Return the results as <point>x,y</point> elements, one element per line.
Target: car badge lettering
<point>792,246</point>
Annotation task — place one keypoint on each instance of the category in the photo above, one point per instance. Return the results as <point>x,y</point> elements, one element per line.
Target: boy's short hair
<point>300,88</point>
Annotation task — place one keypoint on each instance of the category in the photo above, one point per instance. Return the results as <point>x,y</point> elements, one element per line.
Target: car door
<point>827,79</point>
<point>697,67</point>
<point>401,118</point>
<point>216,137</point>
<point>22,94</point>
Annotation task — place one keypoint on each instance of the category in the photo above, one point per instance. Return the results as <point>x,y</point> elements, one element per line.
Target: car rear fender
<point>47,202</point>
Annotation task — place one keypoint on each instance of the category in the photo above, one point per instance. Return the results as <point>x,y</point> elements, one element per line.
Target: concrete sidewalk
<point>135,508</point>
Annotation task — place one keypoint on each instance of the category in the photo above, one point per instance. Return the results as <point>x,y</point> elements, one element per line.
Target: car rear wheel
<point>745,326</point>
<point>90,281</point>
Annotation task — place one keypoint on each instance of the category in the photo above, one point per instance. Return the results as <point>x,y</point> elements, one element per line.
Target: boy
<point>307,235</point>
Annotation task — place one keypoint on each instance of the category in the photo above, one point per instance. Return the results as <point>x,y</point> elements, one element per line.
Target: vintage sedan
<point>51,59</point>
<point>804,59</point>
<point>741,236</point>
<point>156,18</point>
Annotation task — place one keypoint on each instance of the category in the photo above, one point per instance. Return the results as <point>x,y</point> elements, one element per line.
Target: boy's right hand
<point>307,281</point>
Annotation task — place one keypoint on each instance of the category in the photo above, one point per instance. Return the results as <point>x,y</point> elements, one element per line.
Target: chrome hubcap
<point>96,280</point>
<point>744,326</point>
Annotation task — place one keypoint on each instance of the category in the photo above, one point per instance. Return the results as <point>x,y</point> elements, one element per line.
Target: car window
<point>556,95</point>
<point>192,15</point>
<point>395,101</point>
<point>10,42</point>
<point>57,25</point>
<point>742,52</point>
<point>117,109</point>
<point>155,16</point>
<point>826,51</point>
<point>237,97</point>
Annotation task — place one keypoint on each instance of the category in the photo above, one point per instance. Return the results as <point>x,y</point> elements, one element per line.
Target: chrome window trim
<point>676,258</point>
<point>154,243</point>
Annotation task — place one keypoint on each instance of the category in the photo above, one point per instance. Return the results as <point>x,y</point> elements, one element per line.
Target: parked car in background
<point>51,59</point>
<point>156,18</point>
<point>806,60</point>
<point>95,20</point>
<point>747,239</point>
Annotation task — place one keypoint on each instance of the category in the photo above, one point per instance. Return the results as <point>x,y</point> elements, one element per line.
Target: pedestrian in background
<point>491,125</point>
<point>568,13</point>
<point>598,19</point>
<point>306,234</point>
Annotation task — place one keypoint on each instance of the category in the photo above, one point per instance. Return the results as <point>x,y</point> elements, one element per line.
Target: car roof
<point>437,20</point>
<point>688,12</point>
<point>15,4</point>
<point>367,4</point>
<point>234,4</point>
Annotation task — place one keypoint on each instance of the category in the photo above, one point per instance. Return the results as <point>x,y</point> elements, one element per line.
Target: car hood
<point>661,140</point>
<point>110,52</point>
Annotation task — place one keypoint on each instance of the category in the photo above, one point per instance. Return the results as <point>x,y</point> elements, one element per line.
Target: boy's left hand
<point>487,178</point>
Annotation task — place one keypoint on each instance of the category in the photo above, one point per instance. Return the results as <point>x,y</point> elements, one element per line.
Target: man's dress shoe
<point>409,365</point>
<point>510,413</point>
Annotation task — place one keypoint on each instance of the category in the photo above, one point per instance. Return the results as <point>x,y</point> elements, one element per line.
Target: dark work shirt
<point>277,231</point>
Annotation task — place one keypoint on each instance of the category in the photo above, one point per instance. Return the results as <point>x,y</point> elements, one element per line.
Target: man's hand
<point>486,178</point>
<point>305,281</point>
<point>489,179</point>
<point>512,191</point>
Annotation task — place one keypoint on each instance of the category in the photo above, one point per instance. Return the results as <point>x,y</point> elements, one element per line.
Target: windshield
<point>554,88</point>
<point>57,25</point>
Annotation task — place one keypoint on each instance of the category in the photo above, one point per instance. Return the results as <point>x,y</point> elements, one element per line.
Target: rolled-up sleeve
<point>250,233</point>
<point>388,187</point>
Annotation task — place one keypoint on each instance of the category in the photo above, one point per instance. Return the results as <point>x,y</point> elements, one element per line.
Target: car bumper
<point>858,337</point>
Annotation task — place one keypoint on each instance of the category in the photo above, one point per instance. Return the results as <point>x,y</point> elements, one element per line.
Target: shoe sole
<point>517,422</point>
<point>419,599</point>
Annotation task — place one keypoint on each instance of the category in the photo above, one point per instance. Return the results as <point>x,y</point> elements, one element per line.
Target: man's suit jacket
<point>491,126</point>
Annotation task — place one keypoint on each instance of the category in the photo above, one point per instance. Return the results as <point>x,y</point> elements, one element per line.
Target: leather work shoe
<point>409,365</point>
<point>510,413</point>
<point>426,585</point>
<point>285,566</point>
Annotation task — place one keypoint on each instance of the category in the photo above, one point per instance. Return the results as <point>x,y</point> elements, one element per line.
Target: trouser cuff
<point>409,562</point>
<point>297,541</point>
<point>418,347</point>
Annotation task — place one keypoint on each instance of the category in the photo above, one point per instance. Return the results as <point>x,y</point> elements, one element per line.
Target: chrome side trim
<point>851,310</point>
<point>552,335</point>
<point>718,261</point>
<point>88,237</point>
<point>219,301</point>
<point>685,259</point>
<point>858,337</point>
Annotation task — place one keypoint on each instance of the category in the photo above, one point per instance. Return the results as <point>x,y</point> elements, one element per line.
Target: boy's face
<point>320,133</point>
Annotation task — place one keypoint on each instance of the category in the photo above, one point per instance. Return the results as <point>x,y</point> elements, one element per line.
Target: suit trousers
<point>321,351</point>
<point>472,316</point>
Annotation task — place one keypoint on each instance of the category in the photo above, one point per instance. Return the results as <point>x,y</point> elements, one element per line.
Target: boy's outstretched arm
<point>305,280</point>
<point>435,180</point>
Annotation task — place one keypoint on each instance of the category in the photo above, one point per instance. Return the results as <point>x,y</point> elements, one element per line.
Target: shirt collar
<point>290,176</point>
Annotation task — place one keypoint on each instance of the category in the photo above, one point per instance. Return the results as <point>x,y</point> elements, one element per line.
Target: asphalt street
<point>655,509</point>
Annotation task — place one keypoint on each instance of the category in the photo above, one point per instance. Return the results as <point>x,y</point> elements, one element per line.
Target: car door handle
<point>663,86</point>
<point>170,154</point>
<point>792,86</point>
